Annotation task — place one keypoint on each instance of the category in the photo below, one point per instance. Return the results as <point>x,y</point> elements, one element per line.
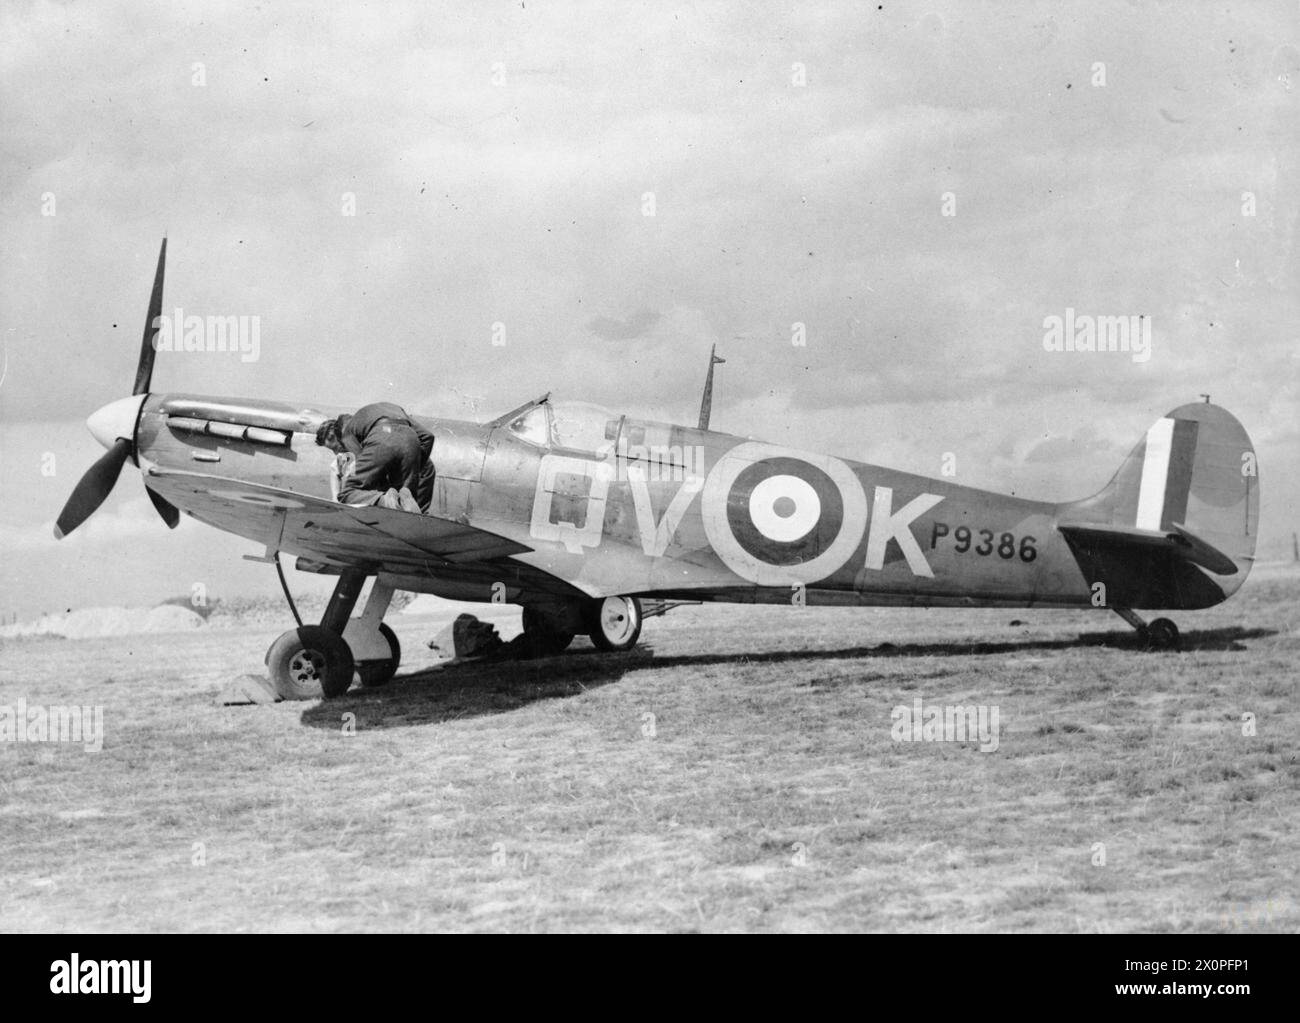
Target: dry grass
<point>771,796</point>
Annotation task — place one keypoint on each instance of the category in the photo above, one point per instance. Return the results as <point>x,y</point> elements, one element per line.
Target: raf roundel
<point>778,517</point>
<point>784,508</point>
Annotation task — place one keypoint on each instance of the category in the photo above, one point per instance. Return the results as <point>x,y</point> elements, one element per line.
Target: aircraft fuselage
<point>658,509</point>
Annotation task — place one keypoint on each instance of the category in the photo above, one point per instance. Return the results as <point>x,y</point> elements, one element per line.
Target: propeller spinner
<point>114,427</point>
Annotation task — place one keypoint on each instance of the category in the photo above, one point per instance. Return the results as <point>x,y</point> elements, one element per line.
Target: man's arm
<point>350,433</point>
<point>426,439</point>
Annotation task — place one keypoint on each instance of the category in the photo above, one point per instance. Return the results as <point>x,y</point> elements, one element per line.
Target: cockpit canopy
<point>575,425</point>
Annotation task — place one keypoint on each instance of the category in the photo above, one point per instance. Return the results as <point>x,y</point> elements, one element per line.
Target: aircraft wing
<point>1179,541</point>
<point>378,539</point>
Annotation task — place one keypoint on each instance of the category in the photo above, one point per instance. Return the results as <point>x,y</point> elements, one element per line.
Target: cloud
<point>1052,450</point>
<point>623,330</point>
<point>499,159</point>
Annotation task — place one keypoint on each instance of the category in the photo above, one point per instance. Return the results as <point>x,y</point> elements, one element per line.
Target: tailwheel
<point>614,624</point>
<point>376,673</point>
<point>1162,634</point>
<point>309,662</point>
<point>544,634</point>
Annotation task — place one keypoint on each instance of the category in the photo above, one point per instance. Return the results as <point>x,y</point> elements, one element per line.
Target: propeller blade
<point>169,512</point>
<point>144,369</point>
<point>92,488</point>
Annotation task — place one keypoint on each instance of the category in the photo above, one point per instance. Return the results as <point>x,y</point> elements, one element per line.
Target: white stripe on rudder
<point>1155,474</point>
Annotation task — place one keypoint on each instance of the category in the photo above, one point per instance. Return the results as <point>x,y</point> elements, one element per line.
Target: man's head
<point>329,435</point>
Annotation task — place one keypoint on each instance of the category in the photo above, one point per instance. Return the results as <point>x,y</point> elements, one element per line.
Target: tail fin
<point>1191,482</point>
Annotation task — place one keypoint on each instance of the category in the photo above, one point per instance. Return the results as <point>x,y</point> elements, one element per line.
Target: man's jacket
<point>358,426</point>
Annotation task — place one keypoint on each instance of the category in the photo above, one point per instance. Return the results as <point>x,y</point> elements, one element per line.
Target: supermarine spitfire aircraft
<point>591,520</point>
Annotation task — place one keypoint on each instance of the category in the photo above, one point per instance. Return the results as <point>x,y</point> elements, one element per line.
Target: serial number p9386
<point>1005,545</point>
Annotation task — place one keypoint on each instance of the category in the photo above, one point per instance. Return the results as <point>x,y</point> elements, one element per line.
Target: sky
<point>610,189</point>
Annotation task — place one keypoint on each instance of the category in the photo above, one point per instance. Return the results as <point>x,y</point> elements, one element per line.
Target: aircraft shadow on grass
<point>483,687</point>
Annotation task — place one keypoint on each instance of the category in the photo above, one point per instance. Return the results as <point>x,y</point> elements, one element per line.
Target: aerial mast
<point>706,402</point>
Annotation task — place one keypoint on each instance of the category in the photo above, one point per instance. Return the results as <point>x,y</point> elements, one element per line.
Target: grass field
<point>736,772</point>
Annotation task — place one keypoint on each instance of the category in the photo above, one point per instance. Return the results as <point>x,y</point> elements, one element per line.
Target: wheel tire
<point>541,636</point>
<point>376,673</point>
<point>614,624</point>
<point>309,662</point>
<point>1162,634</point>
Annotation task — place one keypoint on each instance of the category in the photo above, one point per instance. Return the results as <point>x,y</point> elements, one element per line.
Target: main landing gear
<point>1162,634</point>
<point>311,661</point>
<point>613,623</point>
<point>322,660</point>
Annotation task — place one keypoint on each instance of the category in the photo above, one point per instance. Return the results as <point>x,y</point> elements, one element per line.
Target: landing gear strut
<point>374,644</point>
<point>321,660</point>
<point>1162,634</point>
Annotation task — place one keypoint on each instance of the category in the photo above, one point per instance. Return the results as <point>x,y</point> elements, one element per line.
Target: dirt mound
<point>107,621</point>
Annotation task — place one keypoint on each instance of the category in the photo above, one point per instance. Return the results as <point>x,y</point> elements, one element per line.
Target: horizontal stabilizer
<point>1179,541</point>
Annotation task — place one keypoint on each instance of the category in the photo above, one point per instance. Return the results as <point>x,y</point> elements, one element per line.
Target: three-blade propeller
<point>95,486</point>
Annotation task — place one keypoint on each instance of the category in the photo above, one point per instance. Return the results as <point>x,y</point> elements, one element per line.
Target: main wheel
<point>1162,634</point>
<point>543,637</point>
<point>615,623</point>
<point>376,673</point>
<point>308,662</point>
